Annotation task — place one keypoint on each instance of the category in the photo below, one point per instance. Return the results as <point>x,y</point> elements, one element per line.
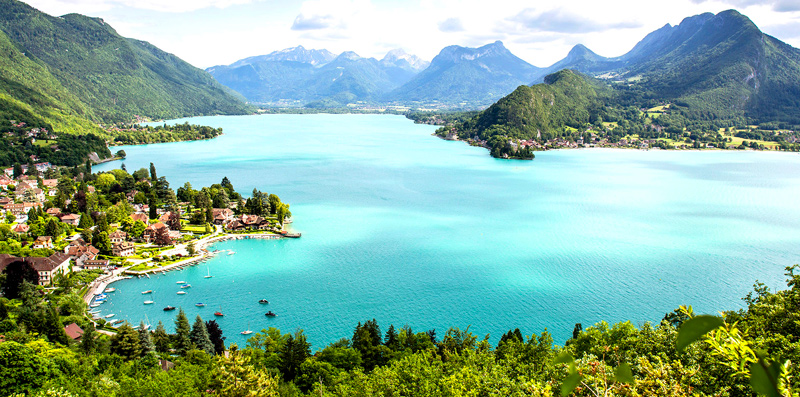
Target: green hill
<point>114,76</point>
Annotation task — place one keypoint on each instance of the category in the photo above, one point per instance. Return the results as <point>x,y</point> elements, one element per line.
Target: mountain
<point>470,76</point>
<point>719,64</point>
<point>294,54</point>
<point>400,59</point>
<point>297,76</point>
<point>114,77</point>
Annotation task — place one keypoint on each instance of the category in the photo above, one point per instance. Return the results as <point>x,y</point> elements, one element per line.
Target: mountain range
<point>297,76</point>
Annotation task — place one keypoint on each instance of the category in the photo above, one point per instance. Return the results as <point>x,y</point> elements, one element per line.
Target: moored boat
<point>110,290</point>
<point>186,286</point>
<point>200,304</point>
<point>270,314</point>
<point>218,314</point>
<point>181,292</point>
<point>147,292</point>
<point>180,282</point>
<point>109,315</point>
<point>148,302</point>
<point>263,301</point>
<point>168,308</point>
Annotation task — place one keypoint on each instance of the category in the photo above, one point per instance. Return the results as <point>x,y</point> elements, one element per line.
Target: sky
<point>219,32</point>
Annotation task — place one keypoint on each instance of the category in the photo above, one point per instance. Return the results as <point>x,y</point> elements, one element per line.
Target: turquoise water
<point>410,229</point>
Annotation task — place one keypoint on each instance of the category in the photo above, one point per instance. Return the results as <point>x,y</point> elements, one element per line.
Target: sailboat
<point>209,272</point>
<point>248,332</point>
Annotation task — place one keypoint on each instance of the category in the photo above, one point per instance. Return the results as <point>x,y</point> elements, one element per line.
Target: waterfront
<point>407,228</point>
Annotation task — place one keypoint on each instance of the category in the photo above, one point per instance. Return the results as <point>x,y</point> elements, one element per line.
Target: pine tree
<point>215,334</point>
<point>200,336</point>
<point>183,343</point>
<point>88,340</point>
<point>292,355</point>
<point>236,376</point>
<point>145,341</point>
<point>153,176</point>
<point>391,338</point>
<point>126,343</point>
<point>161,338</point>
<point>86,221</point>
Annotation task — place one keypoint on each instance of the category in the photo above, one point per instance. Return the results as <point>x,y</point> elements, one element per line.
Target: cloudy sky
<point>214,32</point>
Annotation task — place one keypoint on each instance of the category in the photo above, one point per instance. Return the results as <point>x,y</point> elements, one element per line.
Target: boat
<point>110,289</point>
<point>248,331</point>
<point>168,308</point>
<point>231,252</point>
<point>148,302</point>
<point>181,292</point>
<point>200,304</point>
<point>117,321</point>
<point>270,314</point>
<point>180,282</point>
<point>186,286</point>
<point>110,315</point>
<point>209,272</point>
<point>147,292</point>
<point>263,301</point>
<point>95,305</point>
<point>218,314</point>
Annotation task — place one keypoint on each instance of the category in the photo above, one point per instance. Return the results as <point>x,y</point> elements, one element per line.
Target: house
<point>165,218</point>
<point>50,183</point>
<point>81,252</point>
<point>141,217</point>
<point>70,219</point>
<point>118,236</point>
<point>43,242</point>
<point>222,215</point>
<point>93,264</point>
<point>47,268</point>
<point>6,181</point>
<point>15,209</point>
<point>74,331</point>
<point>53,211</point>
<point>252,222</point>
<point>124,248</point>
<point>152,231</point>
<point>21,228</point>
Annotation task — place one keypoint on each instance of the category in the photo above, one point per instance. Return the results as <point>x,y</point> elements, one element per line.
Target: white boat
<point>110,289</point>
<point>147,292</point>
<point>231,252</point>
<point>148,302</point>
<point>109,315</point>
<point>180,282</point>
<point>248,331</point>
<point>186,286</point>
<point>95,305</point>
<point>181,292</point>
<point>117,321</point>
<point>209,273</point>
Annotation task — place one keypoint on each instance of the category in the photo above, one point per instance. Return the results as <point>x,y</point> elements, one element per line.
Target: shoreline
<point>99,285</point>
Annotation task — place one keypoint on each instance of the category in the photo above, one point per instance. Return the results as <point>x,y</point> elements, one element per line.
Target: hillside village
<point>61,220</point>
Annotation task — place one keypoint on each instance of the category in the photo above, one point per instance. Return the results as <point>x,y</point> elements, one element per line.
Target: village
<point>113,224</point>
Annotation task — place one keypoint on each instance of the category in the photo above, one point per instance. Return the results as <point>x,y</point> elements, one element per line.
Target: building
<point>222,215</point>
<point>152,231</point>
<point>47,268</point>
<point>70,219</point>
<point>21,228</point>
<point>51,183</point>
<point>142,217</point>
<point>101,264</point>
<point>124,248</point>
<point>117,236</point>
<point>74,332</point>
<point>43,242</point>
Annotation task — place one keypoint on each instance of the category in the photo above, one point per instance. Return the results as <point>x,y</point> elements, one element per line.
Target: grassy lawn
<point>44,142</point>
<point>194,228</point>
<point>735,141</point>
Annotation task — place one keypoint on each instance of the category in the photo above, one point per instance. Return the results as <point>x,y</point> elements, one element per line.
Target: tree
<point>215,334</point>
<point>140,174</point>
<point>577,330</point>
<point>86,221</point>
<point>202,200</point>
<point>145,342</point>
<point>153,208</point>
<point>88,340</point>
<point>121,154</point>
<point>162,237</point>
<point>102,242</point>
<point>174,221</point>
<point>52,228</point>
<point>237,377</point>
<point>21,369</point>
<point>17,170</point>
<point>294,352</point>
<point>226,183</point>
<point>161,338</point>
<point>126,343</point>
<point>190,249</point>
<point>391,338</point>
<point>182,339</point>
<point>17,273</point>
<point>32,171</point>
<point>153,176</point>
<point>200,336</point>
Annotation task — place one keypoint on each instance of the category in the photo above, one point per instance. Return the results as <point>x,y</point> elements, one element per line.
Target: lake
<point>409,229</point>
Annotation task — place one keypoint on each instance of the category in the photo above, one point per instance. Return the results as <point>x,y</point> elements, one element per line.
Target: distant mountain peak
<point>293,54</point>
<point>399,58</point>
<point>349,55</point>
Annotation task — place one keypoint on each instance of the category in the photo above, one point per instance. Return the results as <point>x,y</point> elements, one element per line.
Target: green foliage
<point>21,369</point>
<point>696,328</point>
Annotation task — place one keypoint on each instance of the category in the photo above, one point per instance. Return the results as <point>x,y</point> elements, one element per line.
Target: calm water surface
<point>409,229</point>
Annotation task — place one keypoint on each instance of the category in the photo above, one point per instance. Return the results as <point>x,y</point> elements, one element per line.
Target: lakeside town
<point>65,224</point>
